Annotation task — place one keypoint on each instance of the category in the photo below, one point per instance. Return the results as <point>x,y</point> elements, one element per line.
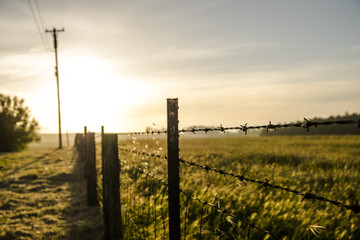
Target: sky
<point>228,62</point>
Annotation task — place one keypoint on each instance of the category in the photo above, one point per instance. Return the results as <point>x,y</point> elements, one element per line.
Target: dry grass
<point>42,196</point>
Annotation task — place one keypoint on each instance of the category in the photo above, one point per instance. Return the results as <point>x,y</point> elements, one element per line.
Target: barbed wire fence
<point>155,208</point>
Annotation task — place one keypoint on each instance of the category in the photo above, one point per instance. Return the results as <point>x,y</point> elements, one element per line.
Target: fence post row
<point>111,187</point>
<point>90,169</point>
<point>173,168</point>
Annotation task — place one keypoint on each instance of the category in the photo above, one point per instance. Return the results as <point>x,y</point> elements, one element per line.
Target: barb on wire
<point>224,211</point>
<point>144,153</point>
<point>306,196</point>
<point>143,133</point>
<point>270,126</point>
<point>244,128</point>
<point>306,124</point>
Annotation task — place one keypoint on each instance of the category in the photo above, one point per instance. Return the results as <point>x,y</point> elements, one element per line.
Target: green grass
<point>327,166</point>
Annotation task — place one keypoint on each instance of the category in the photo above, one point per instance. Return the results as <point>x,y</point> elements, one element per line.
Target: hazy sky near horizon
<point>229,62</point>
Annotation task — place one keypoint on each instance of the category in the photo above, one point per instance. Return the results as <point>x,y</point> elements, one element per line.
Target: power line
<point>41,23</point>
<point>43,39</point>
<point>62,13</point>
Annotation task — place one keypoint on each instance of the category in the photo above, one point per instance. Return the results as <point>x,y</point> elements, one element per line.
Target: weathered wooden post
<point>79,143</point>
<point>111,187</point>
<point>90,169</point>
<point>84,145</point>
<point>173,168</point>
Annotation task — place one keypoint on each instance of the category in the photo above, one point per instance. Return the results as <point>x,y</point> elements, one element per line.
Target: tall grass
<point>326,166</point>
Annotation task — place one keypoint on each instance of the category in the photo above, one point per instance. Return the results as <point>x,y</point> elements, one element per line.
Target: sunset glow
<point>228,62</point>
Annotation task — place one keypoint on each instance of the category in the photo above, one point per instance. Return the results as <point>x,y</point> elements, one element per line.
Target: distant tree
<point>17,127</point>
<point>340,129</point>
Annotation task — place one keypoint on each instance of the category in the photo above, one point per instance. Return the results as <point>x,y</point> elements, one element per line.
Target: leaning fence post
<point>90,169</point>
<point>111,187</point>
<point>173,168</point>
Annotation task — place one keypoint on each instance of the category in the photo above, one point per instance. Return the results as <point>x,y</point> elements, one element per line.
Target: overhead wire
<point>42,25</point>
<point>42,35</point>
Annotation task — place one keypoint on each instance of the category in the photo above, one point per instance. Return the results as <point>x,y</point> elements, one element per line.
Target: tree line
<point>348,129</point>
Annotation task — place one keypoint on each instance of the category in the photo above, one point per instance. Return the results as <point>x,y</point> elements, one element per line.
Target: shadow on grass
<point>82,221</point>
<point>38,159</point>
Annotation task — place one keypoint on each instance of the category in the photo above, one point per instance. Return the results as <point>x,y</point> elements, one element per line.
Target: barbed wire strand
<point>252,225</point>
<point>156,179</point>
<point>306,124</point>
<point>306,196</point>
<point>144,153</point>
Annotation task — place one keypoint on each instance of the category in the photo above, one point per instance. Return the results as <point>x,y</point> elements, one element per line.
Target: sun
<point>94,93</point>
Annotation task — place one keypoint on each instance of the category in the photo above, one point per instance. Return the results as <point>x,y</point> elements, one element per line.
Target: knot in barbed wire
<point>308,196</point>
<point>266,183</point>
<point>307,124</point>
<point>193,130</point>
<point>241,177</point>
<point>222,129</point>
<point>208,129</point>
<point>270,126</point>
<point>244,128</point>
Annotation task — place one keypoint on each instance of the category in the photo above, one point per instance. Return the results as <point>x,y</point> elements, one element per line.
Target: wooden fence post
<point>90,170</point>
<point>79,145</point>
<point>173,168</point>
<point>84,145</point>
<point>111,187</point>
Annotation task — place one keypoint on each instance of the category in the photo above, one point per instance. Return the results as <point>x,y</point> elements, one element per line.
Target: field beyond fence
<point>298,187</point>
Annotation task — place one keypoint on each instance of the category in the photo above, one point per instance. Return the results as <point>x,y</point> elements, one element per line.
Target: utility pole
<point>54,31</point>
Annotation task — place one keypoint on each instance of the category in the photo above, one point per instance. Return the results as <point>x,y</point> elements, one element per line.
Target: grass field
<point>328,166</point>
<point>43,196</point>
